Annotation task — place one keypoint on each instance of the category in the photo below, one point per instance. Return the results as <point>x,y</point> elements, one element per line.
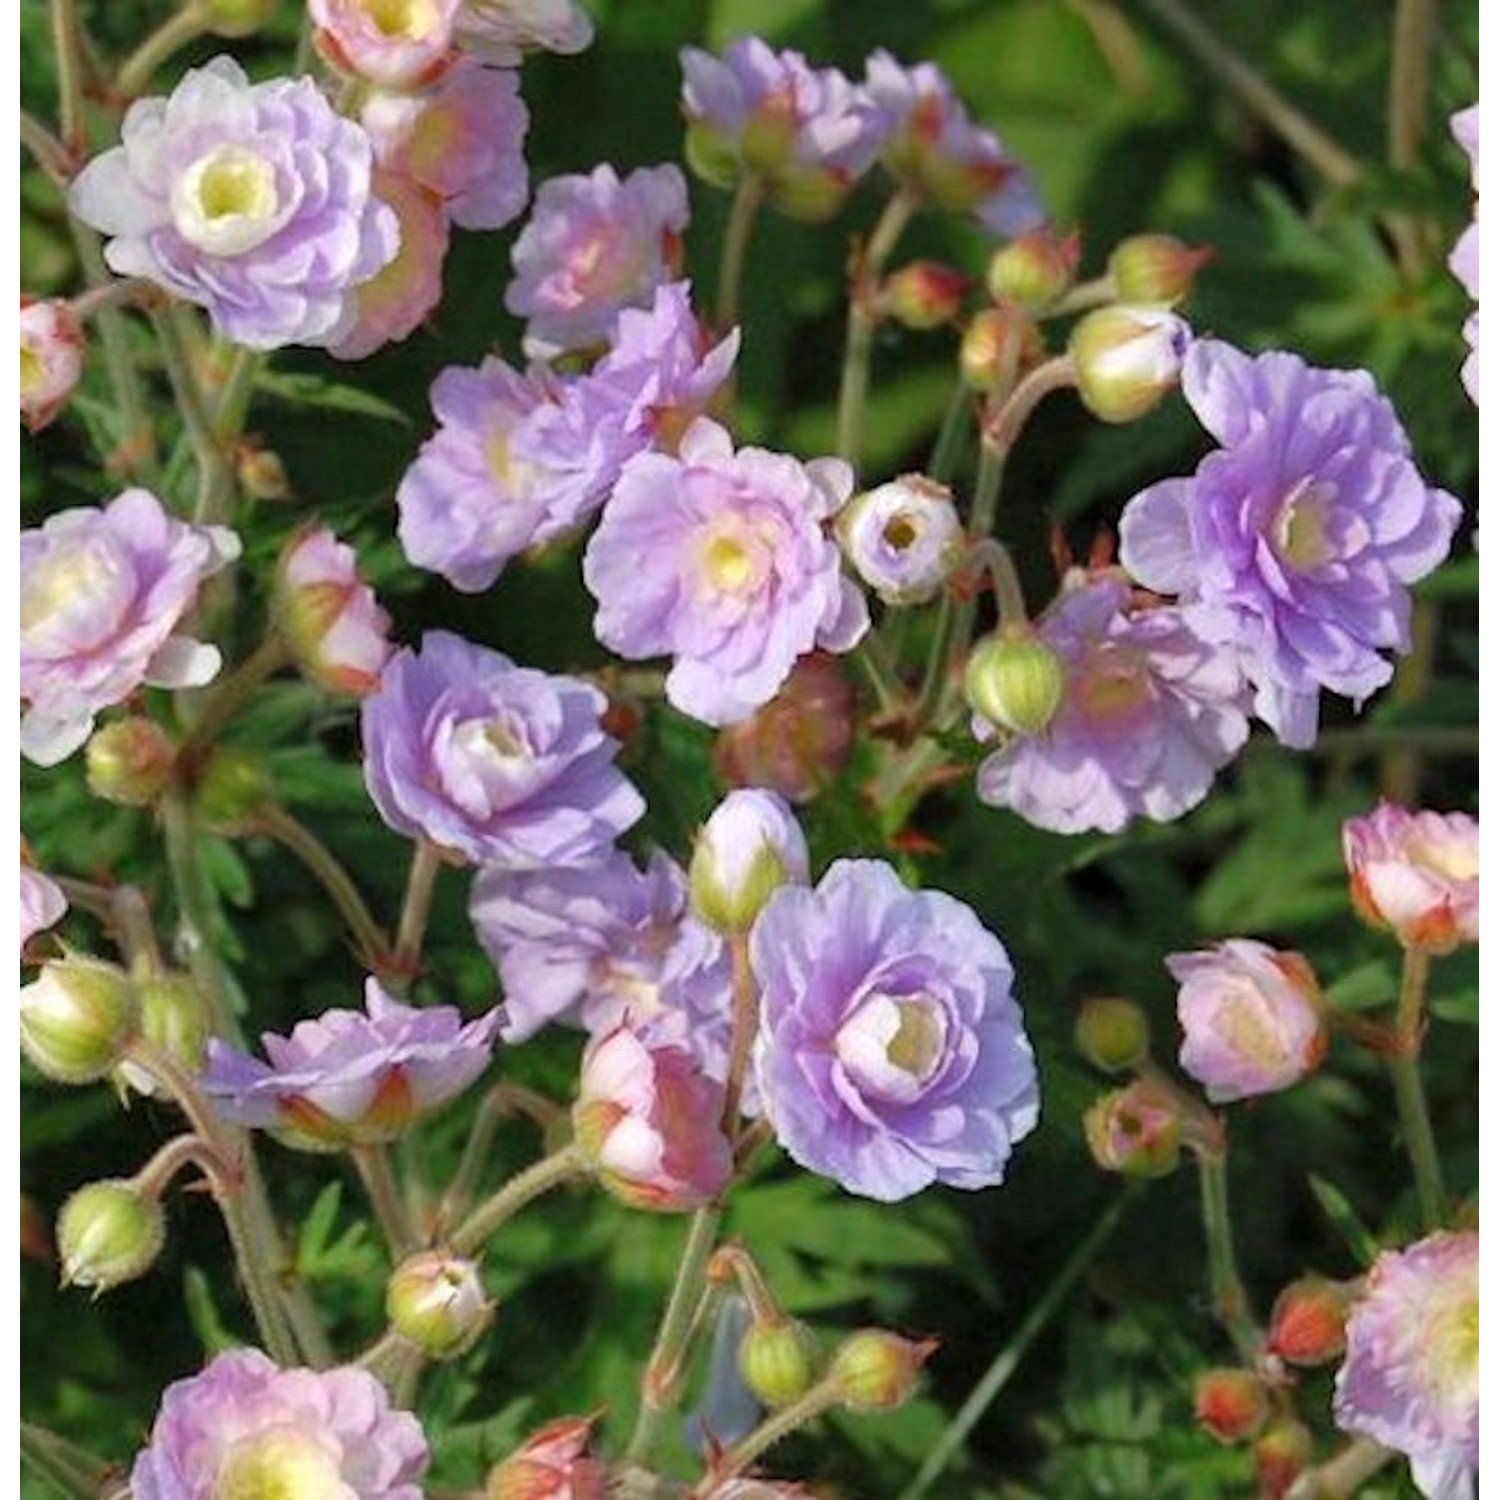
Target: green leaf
<point>318,391</point>
<point>1363,1245</point>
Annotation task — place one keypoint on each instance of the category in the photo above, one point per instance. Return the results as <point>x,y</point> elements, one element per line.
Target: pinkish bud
<point>328,616</point>
<point>1230,1404</point>
<point>923,295</point>
<point>749,848</point>
<point>647,1120</point>
<point>396,43</point>
<point>1307,1322</point>
<point>1252,1018</point>
<point>875,1370</point>
<point>1282,1452</point>
<point>51,358</point>
<point>1156,268</point>
<point>1034,270</point>
<point>1127,359</point>
<point>130,761</point>
<point>437,1300</point>
<point>1417,874</point>
<point>1136,1131</point>
<point>800,741</point>
<point>903,538</point>
<point>1112,1033</point>
<point>552,1464</point>
<point>997,345</point>
<point>261,474</point>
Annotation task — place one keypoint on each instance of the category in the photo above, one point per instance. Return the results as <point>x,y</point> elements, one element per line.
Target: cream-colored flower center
<point>70,584</point>
<point>513,475</point>
<point>226,202</point>
<point>1243,1025</point>
<point>1456,860</point>
<point>408,20</point>
<point>918,1042</point>
<point>1114,683</point>
<point>281,1464</point>
<point>1301,529</point>
<point>33,371</point>
<point>1452,1344</point>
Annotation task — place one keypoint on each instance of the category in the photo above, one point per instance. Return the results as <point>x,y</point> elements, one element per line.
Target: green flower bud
<point>1016,681</point>
<point>231,790</point>
<point>1156,268</point>
<point>236,18</point>
<point>1034,270</point>
<point>77,1017</point>
<point>1127,359</point>
<point>748,849</point>
<point>778,1361</point>
<point>876,1370</point>
<point>711,156</point>
<point>1135,1131</point>
<point>173,1018</point>
<point>1112,1033</point>
<point>108,1233</point>
<point>130,761</point>
<point>437,1300</point>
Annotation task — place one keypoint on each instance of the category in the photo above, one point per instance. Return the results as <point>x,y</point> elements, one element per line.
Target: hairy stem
<point>540,1177</point>
<point>1231,1305</point>
<point>735,1460</point>
<point>373,1163</point>
<point>230,694</point>
<point>1405,1066</point>
<point>416,908</point>
<point>187,25</point>
<point>47,150</point>
<point>67,43</point>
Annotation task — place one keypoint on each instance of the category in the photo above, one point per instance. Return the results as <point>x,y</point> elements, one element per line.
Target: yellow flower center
<point>410,20</point>
<point>1458,860</point>
<point>68,581</point>
<point>226,202</point>
<point>1452,1342</point>
<point>728,565</point>
<point>33,370</point>
<point>918,1041</point>
<point>282,1464</point>
<point>1301,532</point>
<point>900,532</point>
<point>1244,1027</point>
<point>513,475</point>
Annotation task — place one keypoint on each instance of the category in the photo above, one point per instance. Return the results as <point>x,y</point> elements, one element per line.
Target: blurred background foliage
<point>1125,131</point>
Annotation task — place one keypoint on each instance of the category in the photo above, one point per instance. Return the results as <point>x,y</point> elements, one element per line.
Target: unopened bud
<point>236,18</point>
<point>1156,268</point>
<point>811,194</point>
<point>173,1019</point>
<point>1282,1453</point>
<point>231,790</point>
<point>77,1017</point>
<point>552,1464</point>
<point>1230,1404</point>
<point>748,849</point>
<point>923,295</point>
<point>997,343</point>
<point>328,616</point>
<point>1015,681</point>
<point>438,1302</point>
<point>1307,1322</point>
<point>770,136</point>
<point>711,154</point>
<point>778,1361</point>
<point>903,538</point>
<point>130,761</point>
<point>261,474</point>
<point>1127,359</point>
<point>1034,270</point>
<point>1112,1033</point>
<point>875,1369</point>
<point>108,1233</point>
<point>1135,1131</point>
<point>52,346</point>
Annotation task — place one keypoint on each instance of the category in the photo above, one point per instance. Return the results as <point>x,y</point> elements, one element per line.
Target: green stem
<point>746,1020</point>
<point>1087,294</point>
<point>231,402</point>
<point>502,1100</point>
<point>951,435</point>
<point>369,938</point>
<point>1008,1360</point>
<point>215,473</point>
<point>69,1469</point>
<point>230,694</point>
<point>373,1163</point>
<point>171,36</point>
<point>195,902</point>
<point>541,1177</point>
<point>872,657</point>
<point>417,906</point>
<point>1411,69</point>
<point>1405,1067</point>
<point>748,198</point>
<point>659,1384</point>
<point>735,1460</point>
<point>50,154</point>
<point>854,383</point>
<point>1231,1305</point>
<point>66,44</point>
<point>1320,150</point>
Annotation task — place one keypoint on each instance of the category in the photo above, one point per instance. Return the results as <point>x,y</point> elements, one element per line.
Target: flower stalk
<point>1404,1062</point>
<point>541,1177</point>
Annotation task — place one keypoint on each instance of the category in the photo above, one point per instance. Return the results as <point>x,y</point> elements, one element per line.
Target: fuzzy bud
<point>1135,1131</point>
<point>438,1302</point>
<point>1015,681</point>
<point>875,1370</point>
<point>750,846</point>
<point>77,1017</point>
<point>328,616</point>
<point>1112,1033</point>
<point>52,347</point>
<point>552,1464</point>
<point>1282,1453</point>
<point>173,1019</point>
<point>1127,359</point>
<point>231,789</point>
<point>129,761</point>
<point>997,343</point>
<point>1156,268</point>
<point>923,295</point>
<point>1035,269</point>
<point>108,1233</point>
<point>1230,1404</point>
<point>261,474</point>
<point>902,538</point>
<point>1307,1322</point>
<point>778,1361</point>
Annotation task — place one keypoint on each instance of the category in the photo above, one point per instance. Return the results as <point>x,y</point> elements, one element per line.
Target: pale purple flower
<point>810,133</point>
<point>594,244</point>
<point>938,151</point>
<point>1251,1018</point>
<point>1295,542</point>
<point>1464,262</point>
<point>648,1120</point>
<point>244,1426</point>
<point>502,764</point>
<point>102,594</point>
<point>329,615</point>
<point>1417,874</point>
<point>253,200</point>
<point>348,1077</point>
<point>517,461</point>
<point>663,368</point>
<point>1150,712</point>
<point>903,538</point>
<point>891,1053</point>
<point>462,140</point>
<point>43,904</point>
<point>504,31</point>
<point>52,345</point>
<point>399,44</point>
<point>1410,1378</point>
<point>720,559</point>
<point>393,303</point>
<point>602,946</point>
